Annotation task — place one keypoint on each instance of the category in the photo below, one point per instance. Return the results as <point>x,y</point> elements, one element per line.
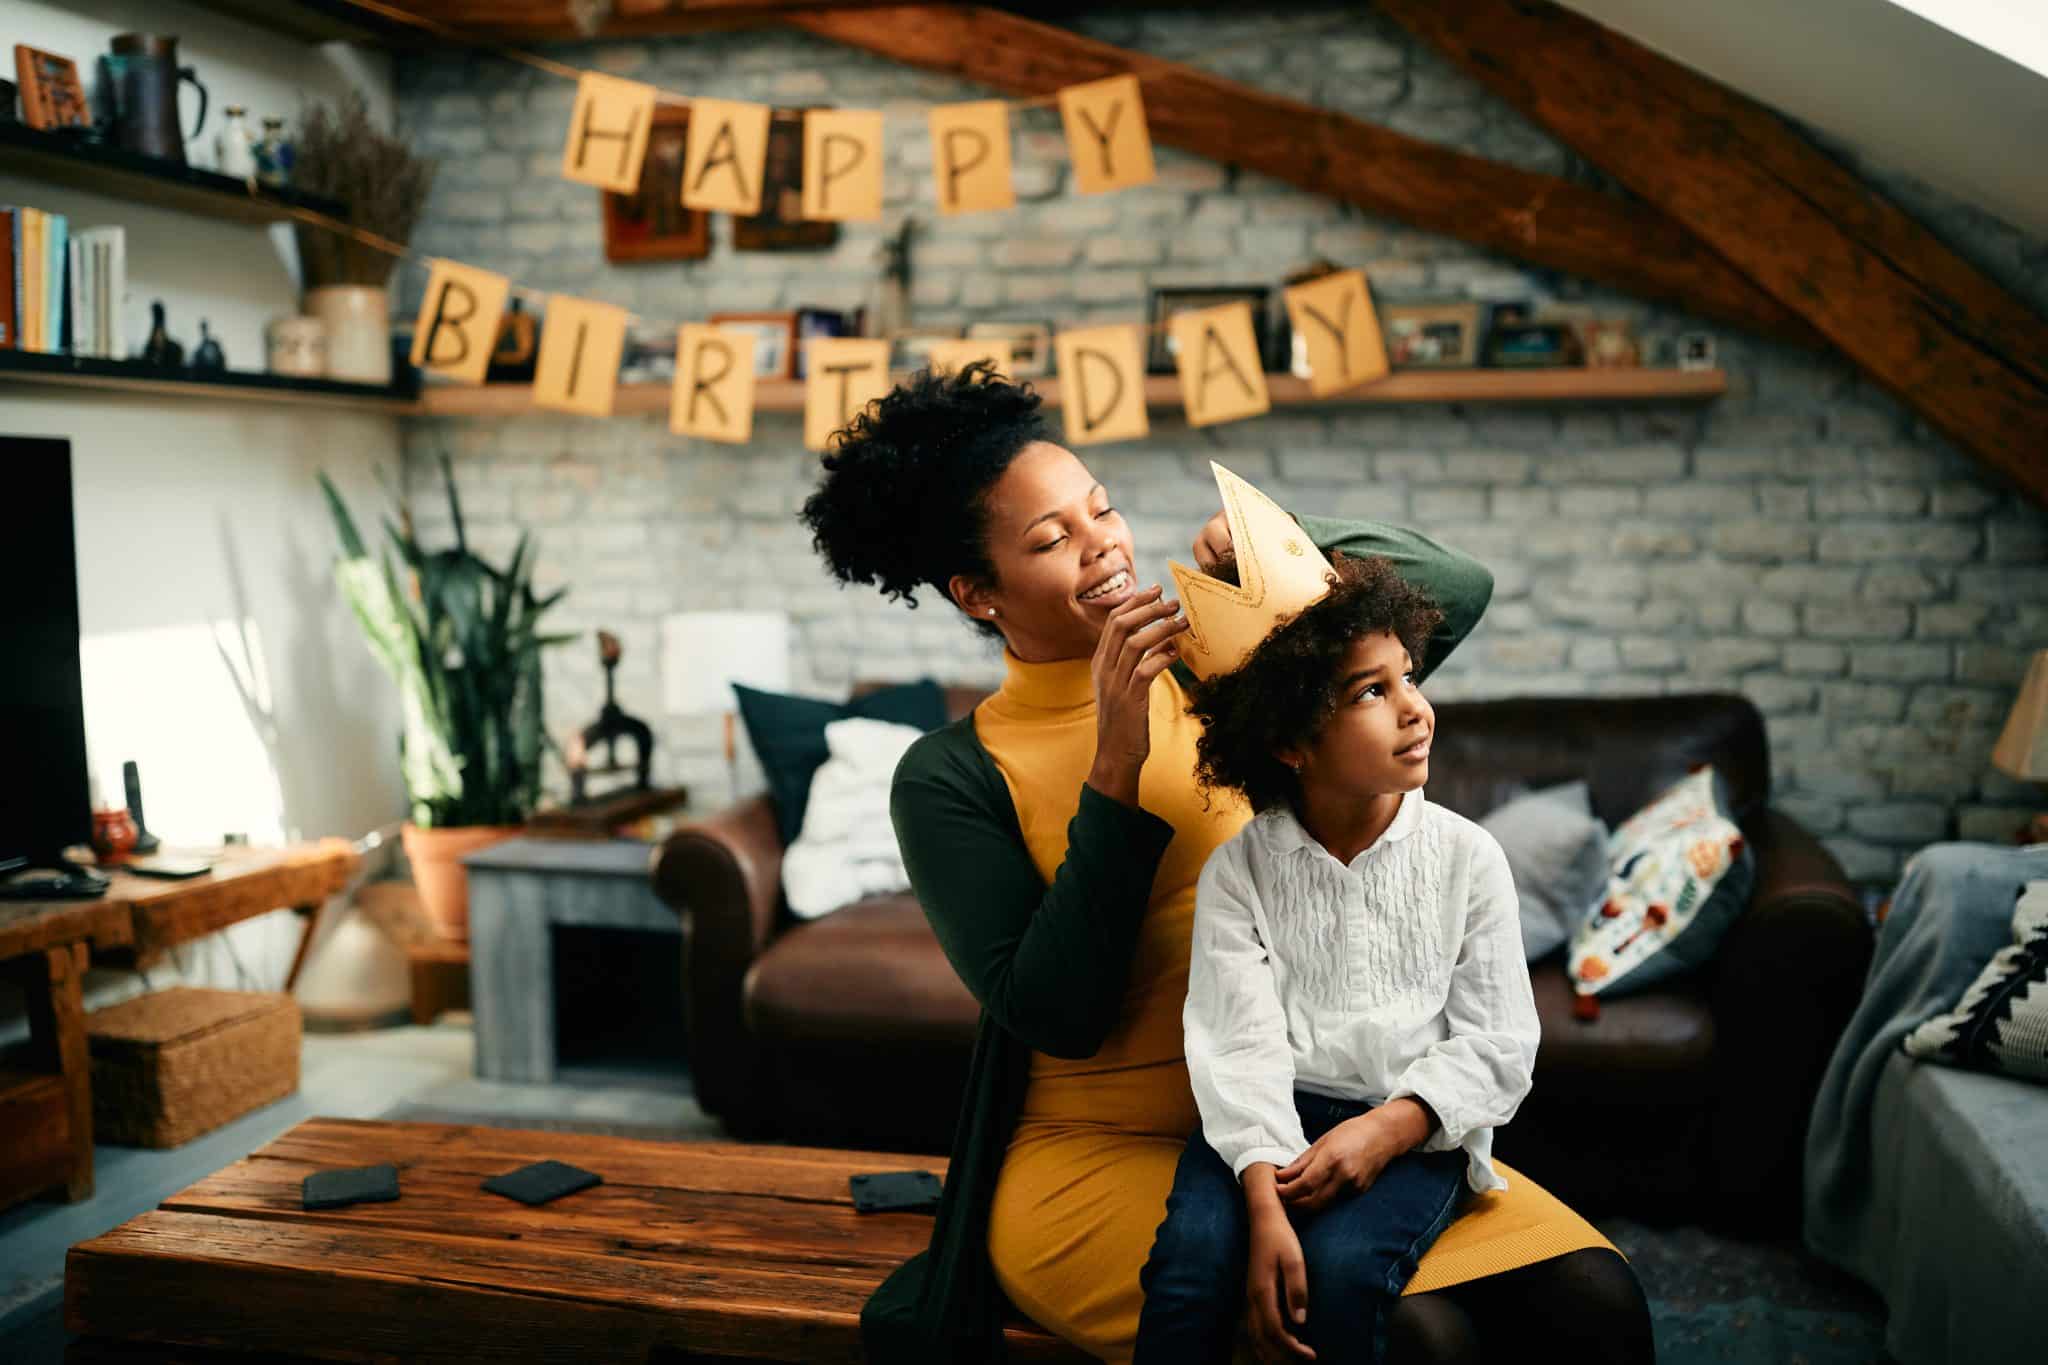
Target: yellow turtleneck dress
<point>1084,1183</point>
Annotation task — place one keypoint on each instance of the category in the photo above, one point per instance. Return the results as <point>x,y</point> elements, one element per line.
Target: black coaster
<point>541,1182</point>
<point>895,1192</point>
<point>356,1185</point>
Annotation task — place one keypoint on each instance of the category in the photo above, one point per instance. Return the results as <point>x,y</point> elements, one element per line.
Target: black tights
<point>1584,1306</point>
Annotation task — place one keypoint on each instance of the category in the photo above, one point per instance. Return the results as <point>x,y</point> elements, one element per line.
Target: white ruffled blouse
<point>1398,975</point>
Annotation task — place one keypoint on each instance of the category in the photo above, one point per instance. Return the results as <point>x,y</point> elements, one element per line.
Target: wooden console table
<point>46,1107</point>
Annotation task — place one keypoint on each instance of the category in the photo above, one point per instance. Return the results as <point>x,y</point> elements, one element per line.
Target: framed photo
<point>652,223</point>
<point>819,322</point>
<point>1422,336</point>
<point>781,226</point>
<point>51,95</point>
<point>1534,346</point>
<point>912,349</point>
<point>1695,351</point>
<point>1159,354</point>
<point>775,351</point>
<point>1030,345</point>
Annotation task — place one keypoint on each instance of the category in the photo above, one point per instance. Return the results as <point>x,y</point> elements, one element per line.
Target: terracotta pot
<point>436,856</point>
<point>358,322</point>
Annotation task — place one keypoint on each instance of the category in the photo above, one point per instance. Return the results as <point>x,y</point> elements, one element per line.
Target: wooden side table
<point>519,892</point>
<point>46,1107</point>
<point>46,945</point>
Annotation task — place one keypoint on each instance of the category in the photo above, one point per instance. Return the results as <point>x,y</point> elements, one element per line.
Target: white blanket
<point>846,850</point>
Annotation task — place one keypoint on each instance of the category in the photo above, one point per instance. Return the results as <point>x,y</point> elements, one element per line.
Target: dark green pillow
<point>788,735</point>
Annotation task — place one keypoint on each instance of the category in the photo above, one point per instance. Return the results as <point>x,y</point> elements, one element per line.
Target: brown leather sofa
<point>1689,1101</point>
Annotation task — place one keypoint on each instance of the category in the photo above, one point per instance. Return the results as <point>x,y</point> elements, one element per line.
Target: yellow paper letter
<point>714,393</point>
<point>843,375</point>
<point>1106,136</point>
<point>842,164</point>
<point>608,132</point>
<point>458,323</point>
<point>580,346</point>
<point>971,157</point>
<point>1217,353</point>
<point>724,157</point>
<point>1333,317</point>
<point>1102,384</point>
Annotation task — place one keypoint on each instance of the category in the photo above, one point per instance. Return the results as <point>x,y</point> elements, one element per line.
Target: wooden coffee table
<point>687,1251</point>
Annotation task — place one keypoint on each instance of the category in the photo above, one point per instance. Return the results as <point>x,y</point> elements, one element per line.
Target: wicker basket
<point>169,1066</point>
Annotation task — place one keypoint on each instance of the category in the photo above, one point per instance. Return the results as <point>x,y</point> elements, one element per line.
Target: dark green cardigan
<point>1048,963</point>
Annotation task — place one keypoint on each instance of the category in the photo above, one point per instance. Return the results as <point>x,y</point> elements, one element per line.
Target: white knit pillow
<point>2001,1022</point>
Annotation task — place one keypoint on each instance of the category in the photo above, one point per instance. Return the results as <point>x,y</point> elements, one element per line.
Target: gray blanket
<point>1951,912</point>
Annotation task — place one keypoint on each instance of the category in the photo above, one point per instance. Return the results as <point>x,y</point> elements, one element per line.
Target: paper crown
<point>1279,572</point>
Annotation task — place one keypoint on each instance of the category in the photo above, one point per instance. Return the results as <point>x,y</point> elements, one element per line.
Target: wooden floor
<point>702,1249</point>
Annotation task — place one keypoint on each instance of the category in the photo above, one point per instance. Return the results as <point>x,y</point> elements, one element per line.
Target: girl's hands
<point>1276,1285</point>
<point>1138,644</point>
<point>1351,1155</point>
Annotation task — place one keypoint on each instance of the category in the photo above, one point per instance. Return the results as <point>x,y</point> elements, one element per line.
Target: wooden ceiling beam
<point>516,21</point>
<point>1535,218</point>
<point>1948,341</point>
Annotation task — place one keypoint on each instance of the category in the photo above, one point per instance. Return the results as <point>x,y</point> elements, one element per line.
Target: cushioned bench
<point>688,1251</point>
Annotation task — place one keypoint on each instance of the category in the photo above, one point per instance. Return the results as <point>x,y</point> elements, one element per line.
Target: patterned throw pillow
<point>2001,1023</point>
<point>1679,875</point>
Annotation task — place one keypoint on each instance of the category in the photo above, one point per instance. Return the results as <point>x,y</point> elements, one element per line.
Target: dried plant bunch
<point>343,154</point>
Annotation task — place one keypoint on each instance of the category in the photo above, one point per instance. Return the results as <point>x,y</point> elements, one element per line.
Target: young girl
<point>1359,1017</point>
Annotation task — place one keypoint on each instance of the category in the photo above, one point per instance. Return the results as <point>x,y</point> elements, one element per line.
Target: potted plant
<point>343,154</point>
<point>462,641</point>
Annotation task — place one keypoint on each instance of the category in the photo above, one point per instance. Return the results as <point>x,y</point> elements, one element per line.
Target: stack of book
<point>63,289</point>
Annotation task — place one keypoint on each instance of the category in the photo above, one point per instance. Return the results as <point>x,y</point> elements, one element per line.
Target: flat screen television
<point>45,797</point>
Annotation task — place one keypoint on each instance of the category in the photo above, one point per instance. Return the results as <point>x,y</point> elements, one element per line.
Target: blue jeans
<point>1360,1250</point>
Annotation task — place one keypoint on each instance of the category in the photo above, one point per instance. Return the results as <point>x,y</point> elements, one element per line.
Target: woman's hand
<point>1276,1276</point>
<point>1212,543</point>
<point>1351,1156</point>
<point>1137,645</point>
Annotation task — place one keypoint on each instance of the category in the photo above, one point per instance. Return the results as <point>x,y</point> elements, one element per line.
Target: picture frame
<point>911,349</point>
<point>1030,345</point>
<point>52,96</point>
<point>1431,336</point>
<point>819,322</point>
<point>781,226</point>
<point>1695,351</point>
<point>1534,346</point>
<point>775,352</point>
<point>653,223</point>
<point>1159,350</point>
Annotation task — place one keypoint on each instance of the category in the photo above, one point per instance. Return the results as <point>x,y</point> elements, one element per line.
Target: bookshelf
<point>33,368</point>
<point>103,168</point>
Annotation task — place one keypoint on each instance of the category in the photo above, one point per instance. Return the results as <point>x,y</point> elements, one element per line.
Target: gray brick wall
<point>1804,540</point>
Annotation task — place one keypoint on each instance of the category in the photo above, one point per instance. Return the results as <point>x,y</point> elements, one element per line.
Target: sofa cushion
<point>1557,850</point>
<point>1659,1042</point>
<point>1682,874</point>
<point>2001,1021</point>
<point>872,971</point>
<point>788,735</point>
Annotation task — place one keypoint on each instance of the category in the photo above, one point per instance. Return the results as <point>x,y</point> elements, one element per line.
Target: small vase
<point>357,318</point>
<point>436,856</point>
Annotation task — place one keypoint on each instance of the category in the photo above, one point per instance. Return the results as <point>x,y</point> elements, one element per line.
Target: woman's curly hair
<point>904,500</point>
<point>1283,695</point>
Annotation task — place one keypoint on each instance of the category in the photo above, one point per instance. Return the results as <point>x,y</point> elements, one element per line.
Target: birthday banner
<point>1101,368</point>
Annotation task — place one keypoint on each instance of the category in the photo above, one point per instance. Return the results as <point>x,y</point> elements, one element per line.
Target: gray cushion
<point>1557,849</point>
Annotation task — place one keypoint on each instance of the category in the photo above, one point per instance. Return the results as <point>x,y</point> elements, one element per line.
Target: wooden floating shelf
<point>134,376</point>
<point>104,168</point>
<point>1163,391</point>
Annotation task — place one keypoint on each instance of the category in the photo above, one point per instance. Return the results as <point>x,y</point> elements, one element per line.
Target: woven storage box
<point>169,1066</point>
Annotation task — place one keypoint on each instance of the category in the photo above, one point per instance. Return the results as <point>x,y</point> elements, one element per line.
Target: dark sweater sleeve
<point>1048,963</point>
<point>1461,585</point>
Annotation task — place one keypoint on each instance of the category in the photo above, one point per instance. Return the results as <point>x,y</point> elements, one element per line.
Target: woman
<point>1054,838</point>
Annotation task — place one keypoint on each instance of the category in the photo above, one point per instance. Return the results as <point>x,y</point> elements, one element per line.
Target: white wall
<point>192,510</point>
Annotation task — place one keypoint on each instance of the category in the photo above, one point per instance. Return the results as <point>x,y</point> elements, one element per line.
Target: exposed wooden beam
<point>1953,345</point>
<point>1535,218</point>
